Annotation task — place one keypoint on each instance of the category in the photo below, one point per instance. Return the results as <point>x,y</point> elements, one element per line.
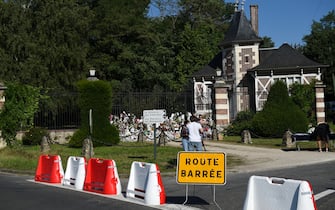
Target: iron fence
<point>66,115</point>
<point>136,102</point>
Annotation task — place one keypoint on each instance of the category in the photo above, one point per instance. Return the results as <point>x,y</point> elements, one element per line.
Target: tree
<point>202,25</point>
<point>320,46</point>
<point>15,44</point>
<point>59,33</point>
<point>44,42</point>
<point>304,97</point>
<point>19,109</point>
<point>279,114</point>
<point>122,43</point>
<point>267,42</point>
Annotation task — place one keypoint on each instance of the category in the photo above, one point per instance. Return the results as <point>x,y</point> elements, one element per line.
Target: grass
<point>275,143</point>
<point>24,159</point>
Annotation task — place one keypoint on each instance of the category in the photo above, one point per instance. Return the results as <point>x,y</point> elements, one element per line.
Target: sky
<point>288,21</point>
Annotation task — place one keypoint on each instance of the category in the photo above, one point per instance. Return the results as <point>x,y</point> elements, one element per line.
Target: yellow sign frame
<point>201,168</point>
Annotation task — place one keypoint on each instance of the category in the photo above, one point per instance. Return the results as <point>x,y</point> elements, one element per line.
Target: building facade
<point>242,73</point>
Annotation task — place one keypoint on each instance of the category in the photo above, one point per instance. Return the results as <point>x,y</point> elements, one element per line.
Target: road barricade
<point>145,183</point>
<point>49,169</point>
<point>273,193</point>
<point>75,172</point>
<point>102,177</point>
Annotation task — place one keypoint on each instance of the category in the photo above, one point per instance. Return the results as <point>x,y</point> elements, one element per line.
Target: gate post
<point>221,105</point>
<point>320,102</point>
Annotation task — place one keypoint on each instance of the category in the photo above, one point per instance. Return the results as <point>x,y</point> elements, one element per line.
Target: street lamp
<point>218,72</point>
<point>92,72</point>
<point>92,76</point>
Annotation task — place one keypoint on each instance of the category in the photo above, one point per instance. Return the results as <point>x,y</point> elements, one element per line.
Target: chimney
<point>254,18</point>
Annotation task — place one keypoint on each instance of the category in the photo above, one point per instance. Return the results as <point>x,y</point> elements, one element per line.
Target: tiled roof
<point>285,57</point>
<point>216,62</point>
<point>206,72</point>
<point>210,69</point>
<point>240,31</point>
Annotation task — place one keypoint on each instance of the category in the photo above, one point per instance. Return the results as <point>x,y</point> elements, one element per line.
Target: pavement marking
<point>121,197</point>
<point>323,194</point>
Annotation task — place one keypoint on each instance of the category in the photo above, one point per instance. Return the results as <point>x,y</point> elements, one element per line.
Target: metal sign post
<point>90,121</point>
<point>154,117</point>
<point>155,143</point>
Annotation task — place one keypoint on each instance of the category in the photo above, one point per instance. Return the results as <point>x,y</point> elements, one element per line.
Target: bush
<point>95,97</point>
<point>279,114</point>
<point>77,139</point>
<point>18,111</point>
<point>34,136</point>
<point>242,122</point>
<point>109,134</point>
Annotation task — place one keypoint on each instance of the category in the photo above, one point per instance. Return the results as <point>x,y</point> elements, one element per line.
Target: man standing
<point>185,135</point>
<point>322,132</point>
<point>195,130</point>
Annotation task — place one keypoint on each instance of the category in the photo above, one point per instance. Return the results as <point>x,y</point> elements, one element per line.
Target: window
<point>246,59</point>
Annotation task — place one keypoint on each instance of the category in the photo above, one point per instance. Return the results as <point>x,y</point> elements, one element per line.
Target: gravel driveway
<point>259,159</point>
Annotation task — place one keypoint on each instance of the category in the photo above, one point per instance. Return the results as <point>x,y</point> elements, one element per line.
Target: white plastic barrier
<point>145,183</point>
<point>75,172</point>
<point>271,193</point>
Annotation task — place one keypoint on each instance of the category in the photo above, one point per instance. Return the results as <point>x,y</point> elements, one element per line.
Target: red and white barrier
<point>49,169</point>
<point>75,172</point>
<point>102,177</point>
<point>273,193</point>
<point>145,183</point>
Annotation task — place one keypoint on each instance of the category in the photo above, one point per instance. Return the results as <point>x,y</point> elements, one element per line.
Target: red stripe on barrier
<point>314,202</point>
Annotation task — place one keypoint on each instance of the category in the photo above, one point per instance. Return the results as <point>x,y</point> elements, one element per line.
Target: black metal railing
<point>67,115</point>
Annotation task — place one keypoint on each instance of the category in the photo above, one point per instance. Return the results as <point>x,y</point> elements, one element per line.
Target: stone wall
<point>57,136</point>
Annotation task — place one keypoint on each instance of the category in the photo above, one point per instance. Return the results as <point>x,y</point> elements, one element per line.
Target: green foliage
<point>194,52</point>
<point>44,42</point>
<point>320,46</point>
<point>52,44</point>
<point>279,114</point>
<point>304,97</point>
<point>34,136</point>
<point>77,138</point>
<point>242,122</point>
<point>19,109</point>
<point>95,101</point>
<point>267,42</point>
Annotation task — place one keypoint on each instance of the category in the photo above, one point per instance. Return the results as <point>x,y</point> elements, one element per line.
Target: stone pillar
<point>246,137</point>
<point>45,147</point>
<point>87,150</point>
<point>221,105</point>
<point>320,102</point>
<point>287,139</point>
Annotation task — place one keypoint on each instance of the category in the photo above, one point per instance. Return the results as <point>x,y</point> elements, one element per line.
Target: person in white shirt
<point>195,130</point>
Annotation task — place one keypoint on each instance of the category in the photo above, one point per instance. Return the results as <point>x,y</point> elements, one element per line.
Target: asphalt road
<point>21,192</point>
<point>232,195</point>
